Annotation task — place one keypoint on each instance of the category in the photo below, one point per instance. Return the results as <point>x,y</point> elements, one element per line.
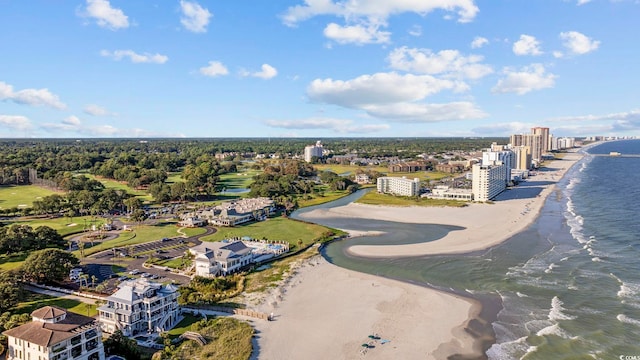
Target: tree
<point>118,344</point>
<point>48,265</point>
<point>10,293</point>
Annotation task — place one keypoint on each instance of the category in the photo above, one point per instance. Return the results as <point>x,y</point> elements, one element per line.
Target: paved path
<point>58,294</point>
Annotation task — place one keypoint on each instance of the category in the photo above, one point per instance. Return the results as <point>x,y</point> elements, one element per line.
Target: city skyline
<point>318,68</point>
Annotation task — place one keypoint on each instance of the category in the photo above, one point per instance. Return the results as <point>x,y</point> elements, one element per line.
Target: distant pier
<point>617,154</point>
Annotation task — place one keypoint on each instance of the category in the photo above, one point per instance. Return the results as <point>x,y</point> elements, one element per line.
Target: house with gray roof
<point>140,307</point>
<point>221,258</point>
<point>57,334</point>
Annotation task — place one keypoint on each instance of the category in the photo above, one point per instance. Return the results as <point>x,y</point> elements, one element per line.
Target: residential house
<point>140,307</point>
<point>57,334</point>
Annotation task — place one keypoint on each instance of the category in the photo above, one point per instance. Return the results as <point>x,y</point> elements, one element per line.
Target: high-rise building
<point>55,333</point>
<point>499,153</point>
<point>522,157</point>
<point>546,140</point>
<point>313,150</point>
<point>488,181</point>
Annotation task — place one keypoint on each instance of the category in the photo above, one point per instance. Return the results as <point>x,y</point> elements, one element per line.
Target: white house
<point>57,334</point>
<point>221,258</point>
<point>140,306</point>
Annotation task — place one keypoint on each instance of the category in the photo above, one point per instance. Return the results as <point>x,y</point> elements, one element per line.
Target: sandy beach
<point>485,225</point>
<point>327,312</point>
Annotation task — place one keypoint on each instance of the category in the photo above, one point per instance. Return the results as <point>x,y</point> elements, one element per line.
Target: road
<point>101,264</point>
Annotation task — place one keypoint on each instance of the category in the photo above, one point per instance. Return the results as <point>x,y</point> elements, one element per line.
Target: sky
<point>318,68</point>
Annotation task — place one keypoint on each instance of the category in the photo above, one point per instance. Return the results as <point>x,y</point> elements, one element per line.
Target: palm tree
<point>93,280</point>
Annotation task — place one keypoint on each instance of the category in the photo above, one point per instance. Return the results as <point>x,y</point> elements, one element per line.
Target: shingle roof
<point>49,334</point>
<point>48,312</point>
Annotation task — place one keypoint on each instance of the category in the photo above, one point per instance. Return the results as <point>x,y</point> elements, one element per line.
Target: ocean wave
<point>521,294</point>
<point>550,268</point>
<point>556,312</point>
<point>625,319</point>
<point>553,330</point>
<point>596,259</point>
<point>508,350</point>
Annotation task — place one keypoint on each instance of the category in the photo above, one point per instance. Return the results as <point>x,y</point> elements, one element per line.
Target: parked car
<point>134,272</point>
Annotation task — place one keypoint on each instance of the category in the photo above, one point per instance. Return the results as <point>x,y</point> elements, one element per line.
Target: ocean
<point>568,287</point>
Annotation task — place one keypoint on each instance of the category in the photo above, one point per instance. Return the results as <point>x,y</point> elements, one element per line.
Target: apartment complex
<point>399,186</point>
<point>533,141</point>
<point>545,137</point>
<point>313,150</point>
<point>488,181</point>
<point>57,334</point>
<point>140,306</point>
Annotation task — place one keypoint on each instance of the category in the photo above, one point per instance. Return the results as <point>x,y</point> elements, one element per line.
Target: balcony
<point>76,351</point>
<point>76,340</point>
<point>91,344</point>
<point>90,334</point>
<point>58,348</point>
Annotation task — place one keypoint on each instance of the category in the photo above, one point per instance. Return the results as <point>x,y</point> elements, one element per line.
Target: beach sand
<point>327,312</point>
<point>485,225</point>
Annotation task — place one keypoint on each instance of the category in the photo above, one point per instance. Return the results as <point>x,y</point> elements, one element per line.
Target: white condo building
<point>400,186</point>
<point>488,181</point>
<point>507,157</point>
<point>313,150</point>
<point>140,306</point>
<point>57,334</point>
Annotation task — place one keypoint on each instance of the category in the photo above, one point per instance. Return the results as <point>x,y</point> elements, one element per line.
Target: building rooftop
<point>50,333</point>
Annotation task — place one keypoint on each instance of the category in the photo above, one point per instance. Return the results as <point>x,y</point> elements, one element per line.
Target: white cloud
<point>74,125</point>
<point>267,72</point>
<point>527,45</point>
<point>416,30</point>
<point>194,18</point>
<point>135,57</point>
<point>105,15</point>
<point>578,43</point>
<point>377,10</point>
<point>356,34</point>
<point>15,122</point>
<point>533,77</point>
<point>215,68</point>
<point>33,97</point>
<point>393,97</point>
<point>417,112</point>
<point>96,110</point>
<point>582,2</point>
<point>449,63</point>
<point>379,88</point>
<point>343,126</point>
<point>479,42</point>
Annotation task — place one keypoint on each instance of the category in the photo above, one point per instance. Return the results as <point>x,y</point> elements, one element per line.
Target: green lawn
<point>317,199</point>
<point>278,228</point>
<point>11,262</point>
<point>116,185</point>
<point>22,196</point>
<point>63,225</point>
<point>35,301</point>
<point>351,169</point>
<point>422,175</point>
<point>184,325</point>
<point>174,177</point>
<point>239,180</point>
<point>374,198</point>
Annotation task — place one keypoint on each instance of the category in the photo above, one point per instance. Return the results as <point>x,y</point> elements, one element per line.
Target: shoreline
<point>454,324</point>
<point>325,311</point>
<point>512,211</point>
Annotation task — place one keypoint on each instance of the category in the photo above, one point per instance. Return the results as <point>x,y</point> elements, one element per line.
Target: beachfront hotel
<point>57,334</point>
<point>488,181</point>
<point>313,150</point>
<point>140,307</point>
<point>399,186</point>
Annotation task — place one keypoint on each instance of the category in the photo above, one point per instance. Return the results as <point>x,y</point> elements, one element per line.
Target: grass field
<point>113,184</point>
<point>422,175</point>
<point>184,325</point>
<point>317,199</point>
<point>350,169</point>
<point>174,177</point>
<point>11,262</point>
<point>21,196</point>
<point>36,301</point>
<point>374,198</point>
<point>63,225</point>
<point>278,228</point>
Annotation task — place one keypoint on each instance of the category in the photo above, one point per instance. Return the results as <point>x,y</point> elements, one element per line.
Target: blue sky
<point>318,68</point>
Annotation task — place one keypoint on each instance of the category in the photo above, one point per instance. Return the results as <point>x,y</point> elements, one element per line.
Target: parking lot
<point>120,264</point>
